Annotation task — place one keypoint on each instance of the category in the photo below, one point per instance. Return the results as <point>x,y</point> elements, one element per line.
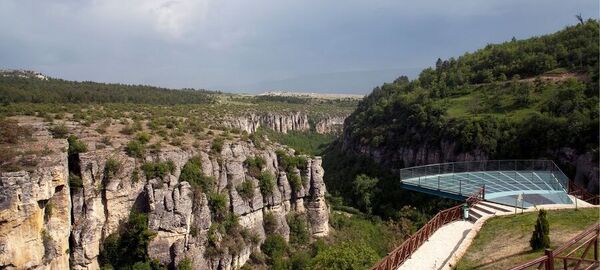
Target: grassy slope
<point>504,241</point>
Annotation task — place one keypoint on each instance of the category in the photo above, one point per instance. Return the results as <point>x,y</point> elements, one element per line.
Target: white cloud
<point>169,18</point>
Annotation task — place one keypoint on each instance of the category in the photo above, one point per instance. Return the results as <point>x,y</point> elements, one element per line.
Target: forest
<point>515,100</point>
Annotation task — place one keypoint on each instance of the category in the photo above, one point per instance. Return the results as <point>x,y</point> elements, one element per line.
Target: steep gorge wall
<point>35,213</point>
<point>285,122</point>
<point>178,214</point>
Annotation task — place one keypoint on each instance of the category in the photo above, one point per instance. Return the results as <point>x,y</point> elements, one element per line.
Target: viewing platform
<point>539,182</point>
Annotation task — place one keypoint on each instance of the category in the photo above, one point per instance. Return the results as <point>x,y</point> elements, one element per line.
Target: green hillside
<point>532,98</point>
<point>515,99</point>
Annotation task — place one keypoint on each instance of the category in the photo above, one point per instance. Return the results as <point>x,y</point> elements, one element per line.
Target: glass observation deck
<point>538,181</point>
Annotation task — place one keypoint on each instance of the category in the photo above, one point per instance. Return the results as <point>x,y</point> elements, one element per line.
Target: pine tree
<point>541,235</point>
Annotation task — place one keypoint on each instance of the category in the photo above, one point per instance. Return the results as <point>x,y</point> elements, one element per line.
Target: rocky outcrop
<point>285,122</point>
<point>35,212</point>
<point>47,224</point>
<point>332,124</point>
<point>182,219</point>
<point>279,122</point>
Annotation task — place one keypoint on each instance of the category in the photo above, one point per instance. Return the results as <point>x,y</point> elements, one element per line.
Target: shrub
<point>274,246</point>
<point>112,167</point>
<point>266,183</point>
<point>270,223</point>
<point>59,131</point>
<point>246,190</point>
<point>76,146</point>
<point>75,182</point>
<point>217,146</point>
<point>143,137</point>
<point>192,173</point>
<point>185,264</point>
<point>158,169</point>
<point>298,228</point>
<point>348,255</point>
<point>135,149</point>
<point>129,246</point>
<point>217,203</point>
<point>295,181</point>
<point>254,165</point>
<point>541,235</point>
<point>364,190</point>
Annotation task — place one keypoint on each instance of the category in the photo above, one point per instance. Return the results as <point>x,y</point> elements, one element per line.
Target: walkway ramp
<point>537,182</point>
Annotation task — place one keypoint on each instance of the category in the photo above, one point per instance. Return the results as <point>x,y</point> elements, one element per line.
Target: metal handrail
<point>486,165</point>
<point>583,194</point>
<point>401,253</point>
<point>590,237</point>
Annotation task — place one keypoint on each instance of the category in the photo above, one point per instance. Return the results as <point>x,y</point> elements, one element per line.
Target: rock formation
<point>83,217</point>
<point>35,213</point>
<point>285,122</point>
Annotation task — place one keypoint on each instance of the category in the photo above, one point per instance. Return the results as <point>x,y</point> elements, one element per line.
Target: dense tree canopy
<point>542,91</point>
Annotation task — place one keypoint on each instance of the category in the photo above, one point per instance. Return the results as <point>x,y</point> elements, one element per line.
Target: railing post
<point>460,187</point>
<point>596,244</point>
<point>549,260</point>
<point>438,182</point>
<point>483,193</point>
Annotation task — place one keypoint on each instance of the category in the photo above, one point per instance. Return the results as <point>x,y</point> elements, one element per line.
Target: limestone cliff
<point>83,216</point>
<point>285,122</point>
<point>35,212</point>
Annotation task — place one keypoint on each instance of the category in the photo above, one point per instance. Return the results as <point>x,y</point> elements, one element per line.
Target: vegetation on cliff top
<point>516,99</point>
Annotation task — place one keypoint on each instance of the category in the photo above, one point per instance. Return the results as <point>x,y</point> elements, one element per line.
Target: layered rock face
<point>330,125</point>
<point>285,122</point>
<point>83,217</point>
<point>182,218</point>
<point>279,122</point>
<point>35,212</point>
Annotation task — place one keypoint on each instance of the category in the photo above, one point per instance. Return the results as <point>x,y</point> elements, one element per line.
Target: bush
<point>217,146</point>
<point>158,169</point>
<point>541,235</point>
<point>364,190</point>
<point>217,203</point>
<point>298,228</point>
<point>270,223</point>
<point>274,246</point>
<point>75,181</point>
<point>59,131</point>
<point>112,167</point>
<point>192,173</point>
<point>135,149</point>
<point>76,146</point>
<point>254,165</point>
<point>348,255</point>
<point>129,246</point>
<point>266,182</point>
<point>295,181</point>
<point>185,264</point>
<point>246,190</point>
<point>143,137</point>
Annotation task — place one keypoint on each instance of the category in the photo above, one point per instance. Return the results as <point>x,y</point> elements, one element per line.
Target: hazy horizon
<point>252,47</point>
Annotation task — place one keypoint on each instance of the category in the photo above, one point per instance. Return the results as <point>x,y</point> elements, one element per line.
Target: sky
<point>252,46</point>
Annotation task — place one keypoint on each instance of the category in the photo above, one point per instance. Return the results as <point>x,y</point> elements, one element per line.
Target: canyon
<point>47,224</point>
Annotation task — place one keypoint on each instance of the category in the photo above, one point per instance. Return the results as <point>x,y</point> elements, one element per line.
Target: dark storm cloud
<point>327,46</point>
